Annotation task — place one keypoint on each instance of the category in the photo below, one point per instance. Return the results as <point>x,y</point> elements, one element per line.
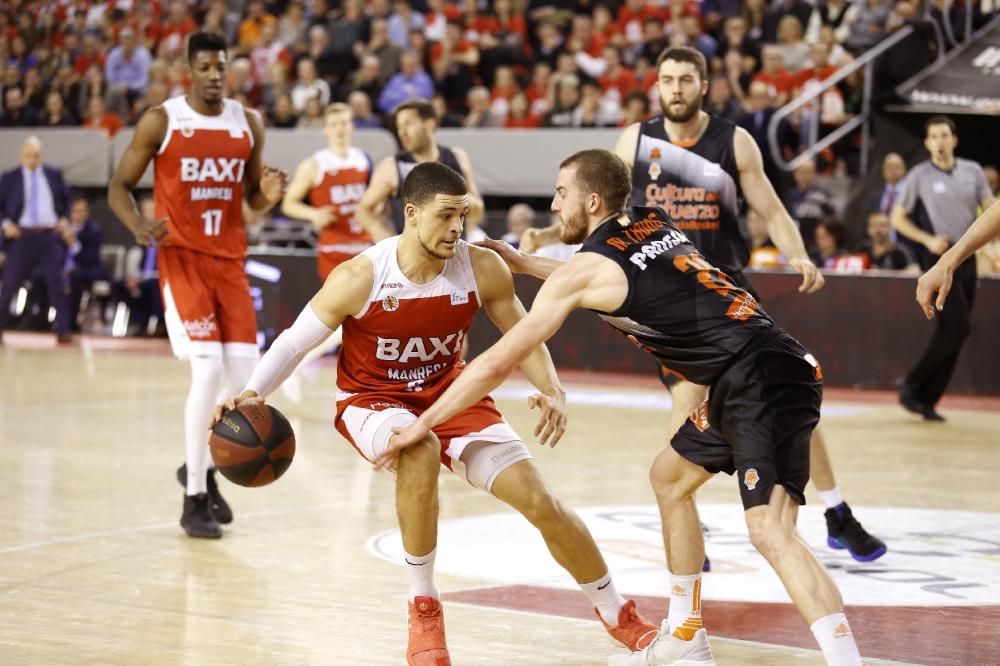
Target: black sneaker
<point>844,531</point>
<point>197,519</point>
<point>931,414</point>
<point>220,507</point>
<point>909,401</point>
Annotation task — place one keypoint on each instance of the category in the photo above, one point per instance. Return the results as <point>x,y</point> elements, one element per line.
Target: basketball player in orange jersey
<point>325,190</point>
<point>206,152</point>
<point>414,123</point>
<point>697,167</point>
<point>645,278</point>
<point>405,306</point>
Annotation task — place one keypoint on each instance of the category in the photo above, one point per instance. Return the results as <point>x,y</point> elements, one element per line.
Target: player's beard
<point>687,113</point>
<point>574,227</point>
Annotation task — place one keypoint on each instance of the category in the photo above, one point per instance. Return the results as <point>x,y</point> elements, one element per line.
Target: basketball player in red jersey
<point>406,305</point>
<point>206,152</point>
<point>326,189</point>
<point>414,122</point>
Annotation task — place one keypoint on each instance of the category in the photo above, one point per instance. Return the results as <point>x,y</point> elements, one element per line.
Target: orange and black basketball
<point>252,445</point>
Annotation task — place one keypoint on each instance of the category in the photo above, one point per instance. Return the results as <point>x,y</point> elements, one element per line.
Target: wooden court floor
<point>95,570</point>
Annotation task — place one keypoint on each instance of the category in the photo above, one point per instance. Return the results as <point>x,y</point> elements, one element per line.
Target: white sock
<point>603,594</point>
<point>831,498</point>
<point>684,612</point>
<point>421,570</point>
<point>206,376</point>
<point>835,639</point>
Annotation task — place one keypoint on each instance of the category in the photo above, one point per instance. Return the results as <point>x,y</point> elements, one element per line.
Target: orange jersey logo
<point>750,478</point>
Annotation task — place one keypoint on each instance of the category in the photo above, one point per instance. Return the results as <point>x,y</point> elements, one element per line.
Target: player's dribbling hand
<point>245,398</point>
<point>403,437</point>
<point>935,281</point>
<point>151,231</point>
<point>552,421</point>
<point>507,252</point>
<point>812,279</point>
<point>273,183</point>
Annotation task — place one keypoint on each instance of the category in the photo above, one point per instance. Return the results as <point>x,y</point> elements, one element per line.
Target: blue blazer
<point>88,259</point>
<point>12,193</point>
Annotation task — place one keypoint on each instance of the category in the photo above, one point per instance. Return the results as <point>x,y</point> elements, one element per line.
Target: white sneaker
<point>668,650</point>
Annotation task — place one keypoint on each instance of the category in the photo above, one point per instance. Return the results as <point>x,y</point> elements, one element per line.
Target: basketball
<point>252,445</point>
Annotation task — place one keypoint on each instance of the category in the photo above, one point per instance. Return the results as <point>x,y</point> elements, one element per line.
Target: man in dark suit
<point>34,209</point>
<point>84,263</point>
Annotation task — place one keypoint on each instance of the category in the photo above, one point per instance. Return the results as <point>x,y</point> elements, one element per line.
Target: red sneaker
<point>426,646</point>
<point>633,631</point>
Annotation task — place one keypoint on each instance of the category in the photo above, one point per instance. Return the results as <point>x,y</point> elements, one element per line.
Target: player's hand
<point>150,231</point>
<point>509,253</point>
<point>534,239</point>
<point>403,438</point>
<point>552,421</point>
<point>812,279</point>
<point>273,183</point>
<point>938,245</point>
<point>323,216</point>
<point>245,398</point>
<point>935,281</point>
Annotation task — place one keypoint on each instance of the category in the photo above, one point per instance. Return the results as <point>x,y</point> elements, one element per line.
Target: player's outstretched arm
<point>520,262</point>
<point>293,204</point>
<point>586,281</point>
<point>149,134</point>
<point>382,186</point>
<point>763,199</point>
<point>343,295</point>
<point>935,284</point>
<point>496,287</point>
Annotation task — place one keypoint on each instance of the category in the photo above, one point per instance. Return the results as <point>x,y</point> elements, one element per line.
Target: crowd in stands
<point>485,63</point>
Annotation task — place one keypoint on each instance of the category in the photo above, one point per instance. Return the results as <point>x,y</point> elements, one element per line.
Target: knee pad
<point>482,462</point>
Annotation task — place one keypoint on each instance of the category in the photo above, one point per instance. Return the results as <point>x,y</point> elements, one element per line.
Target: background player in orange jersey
<point>206,151</point>
<point>644,277</point>
<point>414,123</point>
<point>405,306</point>
<point>325,191</point>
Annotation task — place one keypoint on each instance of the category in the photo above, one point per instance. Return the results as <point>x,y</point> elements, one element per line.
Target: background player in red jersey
<point>325,190</point>
<point>405,306</point>
<point>207,156</point>
<point>645,278</point>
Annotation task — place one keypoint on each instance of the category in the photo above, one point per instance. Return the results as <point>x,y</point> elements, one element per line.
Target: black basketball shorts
<point>758,419</point>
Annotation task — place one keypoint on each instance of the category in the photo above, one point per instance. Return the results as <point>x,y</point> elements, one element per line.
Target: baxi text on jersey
<point>346,194</point>
<point>421,349</point>
<point>655,248</point>
<point>212,169</point>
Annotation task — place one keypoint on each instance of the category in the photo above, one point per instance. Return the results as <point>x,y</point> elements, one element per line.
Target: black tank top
<point>405,162</point>
<point>685,312</point>
<point>698,186</point>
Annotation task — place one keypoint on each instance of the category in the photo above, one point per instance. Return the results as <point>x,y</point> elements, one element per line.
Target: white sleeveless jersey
<point>408,337</point>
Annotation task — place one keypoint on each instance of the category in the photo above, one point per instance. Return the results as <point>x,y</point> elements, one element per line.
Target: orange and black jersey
<point>681,309</point>
<point>697,184</point>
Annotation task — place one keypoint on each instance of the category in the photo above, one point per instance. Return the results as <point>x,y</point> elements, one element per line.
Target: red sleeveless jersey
<point>340,182</point>
<point>407,339</point>
<point>198,178</point>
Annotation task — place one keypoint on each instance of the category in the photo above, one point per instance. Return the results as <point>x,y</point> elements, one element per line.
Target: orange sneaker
<point>633,631</point>
<point>426,646</point>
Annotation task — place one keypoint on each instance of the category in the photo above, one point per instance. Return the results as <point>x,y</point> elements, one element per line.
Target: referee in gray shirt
<point>948,190</point>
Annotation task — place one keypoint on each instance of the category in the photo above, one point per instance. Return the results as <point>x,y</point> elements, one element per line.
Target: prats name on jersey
<point>198,177</point>
<point>407,339</point>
